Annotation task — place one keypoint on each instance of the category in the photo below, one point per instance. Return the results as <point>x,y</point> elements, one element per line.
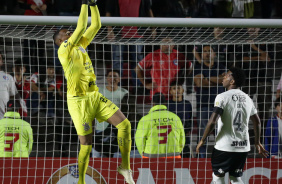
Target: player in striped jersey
<point>232,111</point>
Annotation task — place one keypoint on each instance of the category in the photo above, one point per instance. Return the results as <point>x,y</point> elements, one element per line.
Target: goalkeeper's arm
<point>81,23</point>
<point>95,22</point>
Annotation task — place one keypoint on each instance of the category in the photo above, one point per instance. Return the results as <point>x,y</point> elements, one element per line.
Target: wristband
<point>85,2</point>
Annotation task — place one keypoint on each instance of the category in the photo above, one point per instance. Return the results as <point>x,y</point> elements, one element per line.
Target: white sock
<point>235,180</point>
<point>217,180</point>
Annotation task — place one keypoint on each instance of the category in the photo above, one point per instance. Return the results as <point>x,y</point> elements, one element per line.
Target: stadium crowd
<point>174,72</point>
<point>159,8</point>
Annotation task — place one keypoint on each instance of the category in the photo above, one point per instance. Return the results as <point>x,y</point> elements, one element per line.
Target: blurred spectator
<point>279,86</point>
<point>267,7</point>
<point>160,133</point>
<point>16,138</point>
<point>233,8</point>
<point>183,8</point>
<point>8,7</point>
<point>46,89</point>
<point>126,8</point>
<point>34,50</point>
<point>183,109</point>
<point>257,62</point>
<point>224,52</point>
<point>32,7</point>
<point>36,94</point>
<point>163,65</point>
<point>273,132</point>
<point>72,8</point>
<point>105,134</point>
<point>7,86</point>
<point>128,107</point>
<point>167,8</point>
<point>207,79</point>
<point>22,82</point>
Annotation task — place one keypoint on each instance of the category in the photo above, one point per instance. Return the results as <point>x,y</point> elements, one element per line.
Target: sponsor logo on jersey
<point>103,99</point>
<point>235,98</point>
<point>69,174</point>
<point>163,120</point>
<point>238,170</point>
<point>220,171</point>
<point>175,62</point>
<point>239,143</point>
<point>5,77</point>
<point>86,126</point>
<point>91,83</point>
<point>12,128</point>
<point>66,41</point>
<point>82,49</point>
<point>242,98</point>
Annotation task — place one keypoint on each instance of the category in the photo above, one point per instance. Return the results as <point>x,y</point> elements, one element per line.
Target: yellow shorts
<point>84,110</point>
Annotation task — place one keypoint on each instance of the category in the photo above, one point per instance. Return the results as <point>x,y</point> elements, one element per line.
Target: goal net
<point>135,59</point>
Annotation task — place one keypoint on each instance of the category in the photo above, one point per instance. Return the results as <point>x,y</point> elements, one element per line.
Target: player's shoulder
<point>22,122</point>
<point>63,47</point>
<point>123,90</point>
<point>6,77</point>
<point>234,94</point>
<point>170,114</point>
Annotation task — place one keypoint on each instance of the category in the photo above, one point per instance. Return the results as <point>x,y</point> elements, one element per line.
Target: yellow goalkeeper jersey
<point>76,63</point>
<point>78,68</point>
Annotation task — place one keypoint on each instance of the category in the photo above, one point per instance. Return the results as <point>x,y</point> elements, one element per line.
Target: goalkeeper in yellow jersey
<point>84,101</point>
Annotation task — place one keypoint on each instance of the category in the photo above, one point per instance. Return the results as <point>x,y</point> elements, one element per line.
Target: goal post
<point>252,44</point>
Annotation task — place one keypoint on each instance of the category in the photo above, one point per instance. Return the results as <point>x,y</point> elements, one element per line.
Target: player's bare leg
<point>124,142</point>
<point>83,157</point>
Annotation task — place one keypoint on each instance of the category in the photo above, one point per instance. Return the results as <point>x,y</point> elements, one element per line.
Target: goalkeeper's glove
<point>92,2</point>
<point>85,2</point>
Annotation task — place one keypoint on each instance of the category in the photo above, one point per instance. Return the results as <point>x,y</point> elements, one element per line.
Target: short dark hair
<point>13,105</point>
<point>55,35</point>
<point>18,64</point>
<point>116,71</point>
<point>238,75</point>
<point>176,83</point>
<point>277,102</point>
<point>206,45</point>
<point>50,64</point>
<point>159,98</point>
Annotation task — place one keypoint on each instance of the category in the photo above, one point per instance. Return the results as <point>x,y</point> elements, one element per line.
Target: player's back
<point>15,136</point>
<point>78,68</point>
<point>233,124</point>
<point>165,133</point>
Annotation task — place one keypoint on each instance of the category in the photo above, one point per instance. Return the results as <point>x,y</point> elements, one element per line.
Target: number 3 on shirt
<point>165,134</point>
<point>11,142</point>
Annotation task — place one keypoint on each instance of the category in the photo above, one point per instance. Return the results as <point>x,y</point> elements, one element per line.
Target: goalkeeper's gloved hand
<point>92,2</point>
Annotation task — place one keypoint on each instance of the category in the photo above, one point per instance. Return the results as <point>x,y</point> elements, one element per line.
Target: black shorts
<point>232,162</point>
